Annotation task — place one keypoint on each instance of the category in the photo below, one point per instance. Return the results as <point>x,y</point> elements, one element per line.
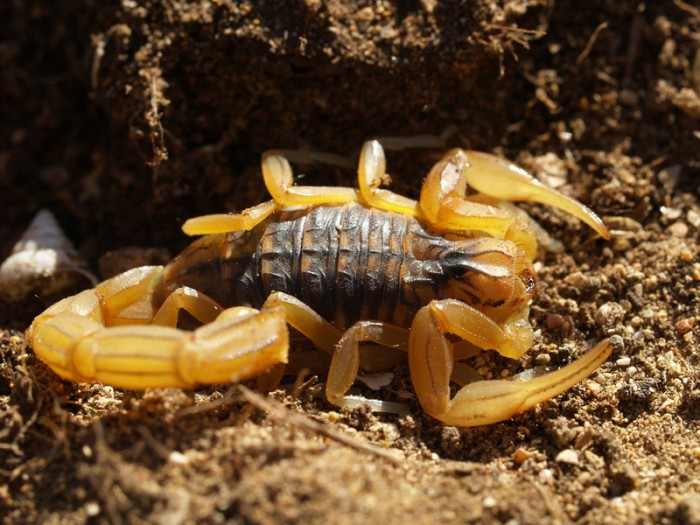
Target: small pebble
<point>617,342</point>
<point>678,229</point>
<point>623,361</point>
<point>567,456</point>
<point>546,475</point>
<point>178,458</point>
<point>669,177</point>
<point>628,97</point>
<point>593,387</point>
<point>576,279</point>
<point>489,502</point>
<point>521,455</point>
<point>694,218</point>
<point>585,438</point>
<point>670,213</point>
<point>683,326</point>
<point>609,313</point>
<point>560,322</point>
<point>92,509</point>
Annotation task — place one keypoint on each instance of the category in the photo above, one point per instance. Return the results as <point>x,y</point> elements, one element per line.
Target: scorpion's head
<point>487,273</point>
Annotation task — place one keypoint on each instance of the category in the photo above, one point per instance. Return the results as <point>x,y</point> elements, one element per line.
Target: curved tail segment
<point>114,334</point>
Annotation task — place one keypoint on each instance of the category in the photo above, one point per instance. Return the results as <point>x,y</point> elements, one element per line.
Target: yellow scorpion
<point>367,275</point>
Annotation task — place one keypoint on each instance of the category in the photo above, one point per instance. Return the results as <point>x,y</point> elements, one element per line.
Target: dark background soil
<point>126,118</point>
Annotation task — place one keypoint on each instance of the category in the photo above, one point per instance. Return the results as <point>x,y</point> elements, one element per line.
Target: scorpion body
<point>435,280</point>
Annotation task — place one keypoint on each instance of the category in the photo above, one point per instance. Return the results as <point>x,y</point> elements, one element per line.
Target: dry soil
<point>126,118</point>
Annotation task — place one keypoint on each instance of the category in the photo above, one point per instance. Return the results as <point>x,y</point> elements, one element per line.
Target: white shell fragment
<point>43,262</point>
<point>568,456</point>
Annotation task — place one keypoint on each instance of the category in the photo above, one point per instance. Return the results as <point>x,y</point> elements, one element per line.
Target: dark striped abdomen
<point>345,262</point>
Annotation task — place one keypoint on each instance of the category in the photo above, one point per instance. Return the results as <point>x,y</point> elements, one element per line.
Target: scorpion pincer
<point>365,274</point>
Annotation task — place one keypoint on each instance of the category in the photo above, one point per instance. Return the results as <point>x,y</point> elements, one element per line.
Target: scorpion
<point>367,275</point>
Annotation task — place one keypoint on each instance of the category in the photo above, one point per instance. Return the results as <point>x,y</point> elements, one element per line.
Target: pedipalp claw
<point>486,402</point>
<point>499,178</point>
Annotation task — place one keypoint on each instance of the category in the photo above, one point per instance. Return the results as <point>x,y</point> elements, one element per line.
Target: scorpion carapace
<point>355,271</point>
<point>492,275</point>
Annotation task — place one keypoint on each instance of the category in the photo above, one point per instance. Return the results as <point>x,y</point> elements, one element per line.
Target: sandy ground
<point>126,118</point>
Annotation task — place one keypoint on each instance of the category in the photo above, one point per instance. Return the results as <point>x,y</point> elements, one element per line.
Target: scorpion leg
<point>372,173</point>
<point>229,222</point>
<point>86,338</point>
<point>197,304</point>
<point>303,318</point>
<point>279,180</point>
<point>431,363</point>
<point>346,358</point>
<point>345,350</point>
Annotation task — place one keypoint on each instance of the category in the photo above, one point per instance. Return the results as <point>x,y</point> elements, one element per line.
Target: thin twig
<point>280,412</point>
<point>591,41</point>
<point>687,8</point>
<point>228,397</point>
<point>516,29</point>
<point>634,45</point>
